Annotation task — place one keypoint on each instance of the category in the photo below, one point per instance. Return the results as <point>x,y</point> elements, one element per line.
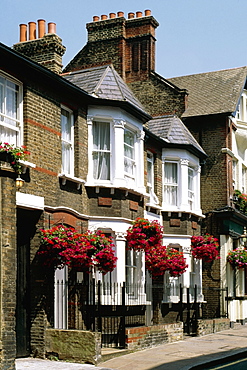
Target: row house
<point>216,115</point>
<point>129,44</point>
<point>98,161</point>
<point>213,107</point>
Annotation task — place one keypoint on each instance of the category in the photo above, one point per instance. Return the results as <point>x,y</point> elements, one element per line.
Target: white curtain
<point>8,111</point>
<point>67,147</point>
<point>171,183</point>
<point>101,150</point>
<point>129,154</point>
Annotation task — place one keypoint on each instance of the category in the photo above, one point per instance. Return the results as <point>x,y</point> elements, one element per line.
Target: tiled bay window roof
<point>172,130</point>
<point>103,82</point>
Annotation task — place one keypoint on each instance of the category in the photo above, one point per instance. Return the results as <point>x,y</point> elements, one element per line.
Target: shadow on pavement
<point>202,362</point>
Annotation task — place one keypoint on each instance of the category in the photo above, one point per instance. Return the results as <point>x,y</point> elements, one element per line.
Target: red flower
<point>205,248</point>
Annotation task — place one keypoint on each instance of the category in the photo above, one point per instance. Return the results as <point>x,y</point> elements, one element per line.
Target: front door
<point>22,285</point>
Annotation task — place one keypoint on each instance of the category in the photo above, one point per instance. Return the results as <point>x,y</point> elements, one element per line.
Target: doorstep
<point>108,353</point>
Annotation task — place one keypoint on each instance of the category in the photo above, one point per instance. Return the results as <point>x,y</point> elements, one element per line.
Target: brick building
<point>207,104</point>
<point>57,117</point>
<point>217,110</point>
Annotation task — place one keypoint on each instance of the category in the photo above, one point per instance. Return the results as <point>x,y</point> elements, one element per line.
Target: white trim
<point>30,201</point>
<point>66,177</point>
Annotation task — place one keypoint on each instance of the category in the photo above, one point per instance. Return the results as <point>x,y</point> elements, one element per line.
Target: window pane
<point>66,125</point>
<point>9,105</point>
<point>101,135</point>
<point>11,102</point>
<point>171,175</point>
<point>101,150</point>
<point>67,142</point>
<point>171,183</point>
<point>129,154</point>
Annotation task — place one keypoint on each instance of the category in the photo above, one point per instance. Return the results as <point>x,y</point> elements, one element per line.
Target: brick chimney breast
<point>46,50</point>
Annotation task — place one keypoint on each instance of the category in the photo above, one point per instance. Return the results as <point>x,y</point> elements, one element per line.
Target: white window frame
<point>68,169</point>
<point>171,185</point>
<point>150,171</point>
<point>120,122</point>
<point>234,173</point>
<point>191,190</point>
<point>132,159</point>
<point>184,160</point>
<point>4,117</point>
<point>244,171</point>
<point>109,150</point>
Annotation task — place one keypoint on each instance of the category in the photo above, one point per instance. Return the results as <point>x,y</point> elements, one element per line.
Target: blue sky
<point>193,35</point>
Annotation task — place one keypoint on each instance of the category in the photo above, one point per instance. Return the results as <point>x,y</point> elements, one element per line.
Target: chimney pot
<point>147,12</point>
<point>51,27</point>
<point>112,15</point>
<point>32,30</point>
<point>23,32</point>
<point>131,15</point>
<point>120,14</point>
<point>95,18</point>
<point>41,28</point>
<point>104,17</point>
<point>138,14</point>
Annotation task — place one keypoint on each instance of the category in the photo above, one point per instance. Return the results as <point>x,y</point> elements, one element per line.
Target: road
<point>236,365</point>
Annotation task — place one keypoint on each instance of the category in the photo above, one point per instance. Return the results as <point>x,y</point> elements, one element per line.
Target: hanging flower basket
<point>13,155</point>
<point>205,248</point>
<point>143,234</point>
<point>62,246</point>
<point>55,242</point>
<point>160,259</point>
<point>237,258</point>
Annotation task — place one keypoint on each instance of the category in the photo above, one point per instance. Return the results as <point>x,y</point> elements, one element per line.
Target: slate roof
<point>172,130</point>
<point>103,82</point>
<point>212,92</point>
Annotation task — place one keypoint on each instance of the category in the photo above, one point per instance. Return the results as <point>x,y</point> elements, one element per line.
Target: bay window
<point>101,151</point>
<point>181,181</point>
<point>10,111</point>
<point>171,183</point>
<point>67,128</point>
<point>115,150</point>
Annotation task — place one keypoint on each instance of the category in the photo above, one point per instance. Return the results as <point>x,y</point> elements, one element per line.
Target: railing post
<point>99,307</point>
<point>196,308</point>
<point>188,311</point>
<point>122,331</point>
<point>94,303</point>
<point>181,302</point>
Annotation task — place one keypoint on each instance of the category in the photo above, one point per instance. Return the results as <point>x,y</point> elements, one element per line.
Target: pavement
<point>190,353</point>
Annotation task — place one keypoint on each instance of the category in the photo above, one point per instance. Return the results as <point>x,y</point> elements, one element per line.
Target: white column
<point>184,188</point>
<point>118,153</point>
<point>120,253</point>
<point>197,189</point>
<point>140,161</point>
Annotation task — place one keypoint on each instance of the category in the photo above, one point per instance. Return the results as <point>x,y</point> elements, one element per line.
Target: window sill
<point>25,165</point>
<point>66,177</point>
<point>138,191</point>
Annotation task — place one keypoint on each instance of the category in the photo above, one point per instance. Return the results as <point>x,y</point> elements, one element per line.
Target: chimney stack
<point>47,49</point>
<point>129,44</point>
